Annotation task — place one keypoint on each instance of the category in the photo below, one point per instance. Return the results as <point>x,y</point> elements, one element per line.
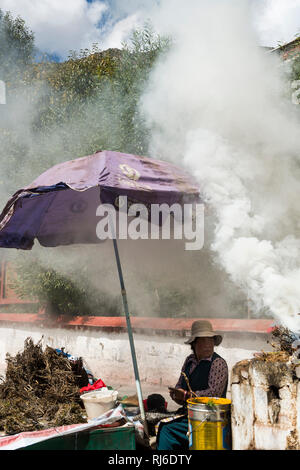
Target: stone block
<point>265,406</point>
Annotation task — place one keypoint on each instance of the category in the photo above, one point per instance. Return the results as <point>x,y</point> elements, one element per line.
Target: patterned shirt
<point>217,378</point>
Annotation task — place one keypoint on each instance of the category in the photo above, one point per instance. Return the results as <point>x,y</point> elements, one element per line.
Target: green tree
<point>295,68</point>
<point>71,109</point>
<point>60,294</point>
<point>130,79</point>
<point>16,45</point>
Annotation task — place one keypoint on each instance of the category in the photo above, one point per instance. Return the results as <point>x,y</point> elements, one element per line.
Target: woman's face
<point>203,347</point>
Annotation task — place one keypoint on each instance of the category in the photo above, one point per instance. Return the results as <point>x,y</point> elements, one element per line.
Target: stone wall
<point>107,354</point>
<point>265,406</point>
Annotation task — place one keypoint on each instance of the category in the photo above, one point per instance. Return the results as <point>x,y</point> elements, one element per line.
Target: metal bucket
<point>209,423</point>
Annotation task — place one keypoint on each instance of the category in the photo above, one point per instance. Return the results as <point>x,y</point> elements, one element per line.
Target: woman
<point>205,373</point>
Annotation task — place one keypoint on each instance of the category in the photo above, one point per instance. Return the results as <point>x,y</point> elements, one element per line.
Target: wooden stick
<point>188,384</point>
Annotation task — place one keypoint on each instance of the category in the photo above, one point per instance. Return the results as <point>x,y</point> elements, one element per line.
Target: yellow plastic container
<point>209,423</point>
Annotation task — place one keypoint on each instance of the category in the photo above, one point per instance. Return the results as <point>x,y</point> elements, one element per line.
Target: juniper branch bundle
<point>40,390</point>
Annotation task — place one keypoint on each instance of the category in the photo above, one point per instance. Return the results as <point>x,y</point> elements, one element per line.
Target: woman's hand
<point>179,395</point>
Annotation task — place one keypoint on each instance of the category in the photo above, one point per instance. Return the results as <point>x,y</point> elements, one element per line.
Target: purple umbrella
<point>59,207</point>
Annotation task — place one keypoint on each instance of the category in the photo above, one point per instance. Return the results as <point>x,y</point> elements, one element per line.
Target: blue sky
<point>64,25</point>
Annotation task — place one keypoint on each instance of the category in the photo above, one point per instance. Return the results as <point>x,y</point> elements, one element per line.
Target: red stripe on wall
<point>166,324</point>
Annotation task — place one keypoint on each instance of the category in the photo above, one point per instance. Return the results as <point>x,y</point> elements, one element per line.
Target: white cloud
<point>121,31</point>
<point>274,20</point>
<point>125,16</point>
<point>60,26</point>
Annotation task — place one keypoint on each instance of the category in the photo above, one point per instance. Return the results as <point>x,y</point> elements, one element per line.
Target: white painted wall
<point>108,355</point>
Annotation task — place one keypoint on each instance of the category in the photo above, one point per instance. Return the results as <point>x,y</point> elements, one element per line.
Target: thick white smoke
<point>217,105</point>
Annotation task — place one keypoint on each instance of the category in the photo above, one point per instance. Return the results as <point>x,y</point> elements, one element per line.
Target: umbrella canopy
<point>59,207</point>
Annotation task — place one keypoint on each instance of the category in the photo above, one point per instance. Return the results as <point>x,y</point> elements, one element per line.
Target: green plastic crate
<point>119,438</point>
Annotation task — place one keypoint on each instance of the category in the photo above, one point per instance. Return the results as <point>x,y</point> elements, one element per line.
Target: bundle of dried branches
<point>40,390</point>
<point>284,339</point>
<point>282,343</point>
<point>272,356</point>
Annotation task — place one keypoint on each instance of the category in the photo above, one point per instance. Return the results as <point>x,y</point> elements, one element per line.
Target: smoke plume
<point>218,105</point>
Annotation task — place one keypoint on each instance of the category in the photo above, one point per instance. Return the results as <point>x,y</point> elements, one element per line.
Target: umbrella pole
<point>126,310</point>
